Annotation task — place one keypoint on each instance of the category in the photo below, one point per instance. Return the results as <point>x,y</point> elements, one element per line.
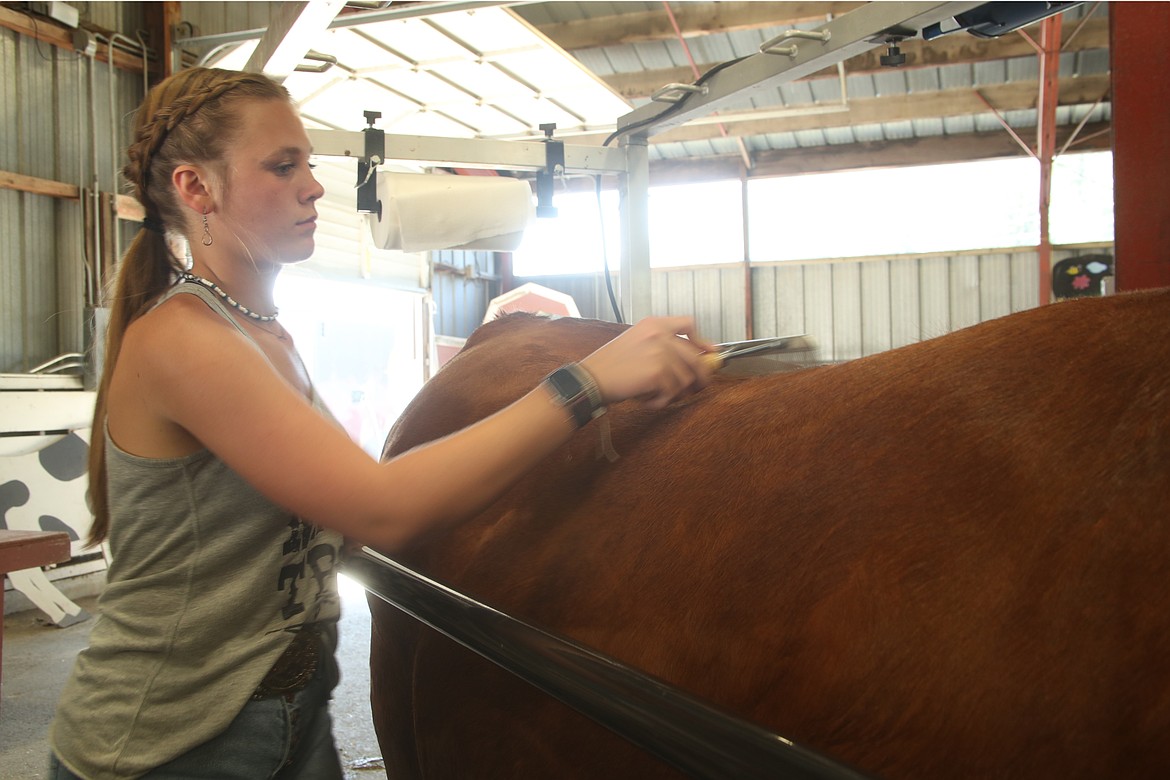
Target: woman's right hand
<point>650,362</point>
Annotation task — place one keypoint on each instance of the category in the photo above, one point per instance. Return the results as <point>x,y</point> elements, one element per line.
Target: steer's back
<point>948,560</point>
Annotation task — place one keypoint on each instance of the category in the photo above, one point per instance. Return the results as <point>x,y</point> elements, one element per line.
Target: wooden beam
<point>959,49</point>
<point>924,150</point>
<point>161,20</point>
<point>125,207</point>
<point>692,18</point>
<point>38,186</point>
<point>128,208</point>
<point>56,34</point>
<point>24,550</point>
<point>290,35</point>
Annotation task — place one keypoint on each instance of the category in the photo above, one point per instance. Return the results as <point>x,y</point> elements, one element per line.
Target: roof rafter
<point>1084,90</point>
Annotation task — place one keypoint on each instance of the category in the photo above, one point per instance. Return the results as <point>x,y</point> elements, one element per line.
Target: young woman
<point>222,484</point>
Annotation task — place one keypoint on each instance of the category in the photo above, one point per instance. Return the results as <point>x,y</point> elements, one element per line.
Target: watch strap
<point>575,389</point>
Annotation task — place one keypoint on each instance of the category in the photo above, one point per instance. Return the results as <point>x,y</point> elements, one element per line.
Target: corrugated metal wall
<point>462,286</point>
<point>64,118</point>
<point>852,308</point>
<point>219,18</point>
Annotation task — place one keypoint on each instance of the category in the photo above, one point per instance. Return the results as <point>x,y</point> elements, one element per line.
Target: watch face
<point>572,395</point>
<point>567,384</point>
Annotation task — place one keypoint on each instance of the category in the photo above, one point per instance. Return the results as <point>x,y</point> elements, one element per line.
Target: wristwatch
<point>573,388</point>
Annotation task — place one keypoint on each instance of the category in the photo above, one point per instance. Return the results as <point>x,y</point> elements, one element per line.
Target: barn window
<point>1082,198</point>
<point>692,224</point>
<point>895,211</point>
<point>985,204</point>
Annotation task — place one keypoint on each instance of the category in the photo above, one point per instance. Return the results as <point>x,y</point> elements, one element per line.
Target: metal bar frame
<point>470,152</point>
<point>679,729</point>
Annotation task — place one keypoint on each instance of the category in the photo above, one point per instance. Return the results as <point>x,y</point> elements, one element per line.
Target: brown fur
<point>947,560</point>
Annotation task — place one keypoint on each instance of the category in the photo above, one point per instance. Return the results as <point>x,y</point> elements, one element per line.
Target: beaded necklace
<point>241,308</point>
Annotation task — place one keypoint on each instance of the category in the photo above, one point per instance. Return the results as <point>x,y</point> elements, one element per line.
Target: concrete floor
<point>38,657</point>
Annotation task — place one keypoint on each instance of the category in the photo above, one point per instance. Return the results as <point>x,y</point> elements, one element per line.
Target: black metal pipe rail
<point>676,727</point>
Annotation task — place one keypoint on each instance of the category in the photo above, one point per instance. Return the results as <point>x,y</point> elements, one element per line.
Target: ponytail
<point>146,272</point>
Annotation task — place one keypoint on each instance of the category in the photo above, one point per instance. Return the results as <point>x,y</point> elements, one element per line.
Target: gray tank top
<point>207,582</point>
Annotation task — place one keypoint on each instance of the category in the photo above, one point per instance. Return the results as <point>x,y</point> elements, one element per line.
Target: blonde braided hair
<point>182,119</point>
<point>189,118</point>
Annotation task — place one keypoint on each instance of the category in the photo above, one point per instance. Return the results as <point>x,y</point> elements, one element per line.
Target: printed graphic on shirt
<point>307,576</point>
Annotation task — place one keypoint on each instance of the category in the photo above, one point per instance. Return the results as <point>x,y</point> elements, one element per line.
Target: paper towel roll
<point>422,212</point>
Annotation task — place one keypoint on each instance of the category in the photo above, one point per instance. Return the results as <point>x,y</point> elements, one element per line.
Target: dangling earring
<point>206,231</point>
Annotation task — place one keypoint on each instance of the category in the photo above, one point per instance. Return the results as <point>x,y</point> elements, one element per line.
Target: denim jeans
<point>270,738</point>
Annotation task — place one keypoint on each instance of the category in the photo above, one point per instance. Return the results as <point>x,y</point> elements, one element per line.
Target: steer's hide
<point>948,560</point>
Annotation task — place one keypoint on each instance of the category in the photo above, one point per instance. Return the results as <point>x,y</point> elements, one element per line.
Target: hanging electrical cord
<point>617,311</point>
<point>673,108</point>
<point>682,41</point>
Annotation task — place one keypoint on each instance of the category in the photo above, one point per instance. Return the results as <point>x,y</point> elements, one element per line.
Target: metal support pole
<point>1046,142</point>
<point>635,213</point>
<point>749,314</point>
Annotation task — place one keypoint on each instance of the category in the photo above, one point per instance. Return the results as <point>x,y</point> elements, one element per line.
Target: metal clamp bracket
<point>672,93</point>
<point>375,154</point>
<point>771,47</point>
<point>327,61</point>
<point>554,166</point>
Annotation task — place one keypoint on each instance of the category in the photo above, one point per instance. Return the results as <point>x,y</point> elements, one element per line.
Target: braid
<point>161,123</point>
<point>156,131</point>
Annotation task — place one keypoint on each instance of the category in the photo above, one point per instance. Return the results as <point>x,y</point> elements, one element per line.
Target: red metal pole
<point>1140,60</point>
<point>1046,142</point>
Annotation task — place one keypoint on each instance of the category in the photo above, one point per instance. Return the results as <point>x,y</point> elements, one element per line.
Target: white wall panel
<point>680,294</point>
<point>934,296</point>
<point>876,317</point>
<point>964,271</point>
<point>818,307</point>
<point>852,308</point>
<point>790,298</point>
<point>847,311</point>
<point>710,301</point>
<point>995,284</point>
<point>905,305</point>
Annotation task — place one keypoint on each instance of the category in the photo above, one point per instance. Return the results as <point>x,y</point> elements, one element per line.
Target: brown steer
<point>950,560</point>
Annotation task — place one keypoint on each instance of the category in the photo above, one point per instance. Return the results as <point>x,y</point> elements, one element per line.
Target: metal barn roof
<point>501,70</point>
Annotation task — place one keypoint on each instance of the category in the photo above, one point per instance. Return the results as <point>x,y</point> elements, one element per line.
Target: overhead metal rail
<point>803,53</point>
<point>470,152</point>
<point>683,731</point>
